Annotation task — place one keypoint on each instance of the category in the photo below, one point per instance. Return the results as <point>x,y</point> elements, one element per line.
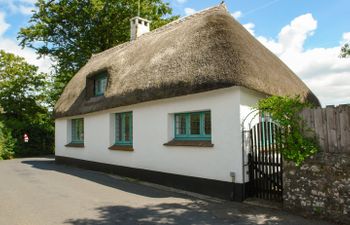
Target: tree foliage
<point>345,51</point>
<point>70,31</point>
<point>24,109</point>
<point>7,143</point>
<point>286,112</point>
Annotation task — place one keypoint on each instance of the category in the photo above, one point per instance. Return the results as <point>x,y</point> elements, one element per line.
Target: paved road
<point>36,191</point>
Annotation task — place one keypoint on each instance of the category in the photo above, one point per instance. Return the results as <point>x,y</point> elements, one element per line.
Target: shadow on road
<point>184,214</point>
<point>155,214</point>
<point>196,212</point>
<point>98,177</point>
<point>189,212</point>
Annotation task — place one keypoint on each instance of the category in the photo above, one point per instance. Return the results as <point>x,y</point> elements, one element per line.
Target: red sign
<point>26,137</point>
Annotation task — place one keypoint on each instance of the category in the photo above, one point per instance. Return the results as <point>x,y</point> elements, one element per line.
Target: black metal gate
<point>265,160</point>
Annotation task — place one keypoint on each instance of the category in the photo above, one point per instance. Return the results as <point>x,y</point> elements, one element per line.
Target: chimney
<point>139,26</point>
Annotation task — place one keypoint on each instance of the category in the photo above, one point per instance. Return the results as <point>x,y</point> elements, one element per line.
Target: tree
<point>345,51</point>
<point>24,106</point>
<point>70,31</point>
<point>7,143</point>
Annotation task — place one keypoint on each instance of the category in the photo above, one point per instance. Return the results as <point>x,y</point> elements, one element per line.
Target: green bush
<point>7,143</point>
<point>285,111</point>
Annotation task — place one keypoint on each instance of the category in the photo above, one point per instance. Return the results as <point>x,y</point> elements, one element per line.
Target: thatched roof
<point>206,51</point>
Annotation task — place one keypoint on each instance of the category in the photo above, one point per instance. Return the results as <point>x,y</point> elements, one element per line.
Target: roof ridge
<point>165,27</point>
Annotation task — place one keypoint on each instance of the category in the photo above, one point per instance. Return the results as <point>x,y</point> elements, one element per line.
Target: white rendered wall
<point>153,126</point>
<point>248,118</point>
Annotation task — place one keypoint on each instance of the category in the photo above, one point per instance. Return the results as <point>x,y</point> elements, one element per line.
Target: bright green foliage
<point>70,31</point>
<point>345,51</point>
<point>7,143</point>
<point>23,107</point>
<point>285,111</point>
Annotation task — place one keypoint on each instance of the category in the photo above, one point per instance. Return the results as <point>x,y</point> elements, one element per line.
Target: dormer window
<point>100,84</point>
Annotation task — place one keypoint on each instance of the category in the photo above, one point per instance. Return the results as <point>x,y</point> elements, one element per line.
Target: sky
<point>305,34</point>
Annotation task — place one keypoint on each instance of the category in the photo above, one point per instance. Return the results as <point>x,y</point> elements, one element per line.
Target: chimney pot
<point>138,27</point>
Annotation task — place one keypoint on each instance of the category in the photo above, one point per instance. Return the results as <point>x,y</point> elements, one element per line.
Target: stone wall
<point>321,186</point>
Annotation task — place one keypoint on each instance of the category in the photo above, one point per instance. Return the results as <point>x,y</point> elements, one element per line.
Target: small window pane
<point>118,126</point>
<point>74,130</point>
<point>77,130</point>
<point>207,123</point>
<point>100,84</point>
<point>123,128</point>
<point>127,128</point>
<point>181,124</point>
<point>81,130</point>
<point>130,126</point>
<point>195,123</point>
<point>103,84</point>
<point>97,86</point>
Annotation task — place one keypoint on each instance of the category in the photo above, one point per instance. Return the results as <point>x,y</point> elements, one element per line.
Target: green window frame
<point>123,129</point>
<point>78,131</point>
<point>193,126</point>
<point>100,84</point>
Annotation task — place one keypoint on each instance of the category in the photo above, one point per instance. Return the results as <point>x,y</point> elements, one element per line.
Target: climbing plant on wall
<point>286,112</point>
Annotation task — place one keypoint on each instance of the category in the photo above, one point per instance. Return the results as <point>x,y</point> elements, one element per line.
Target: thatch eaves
<point>206,51</point>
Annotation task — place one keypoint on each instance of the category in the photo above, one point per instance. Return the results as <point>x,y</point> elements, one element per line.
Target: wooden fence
<point>331,126</point>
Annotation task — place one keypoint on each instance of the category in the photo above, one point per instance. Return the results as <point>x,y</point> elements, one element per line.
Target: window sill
<point>126,148</point>
<point>75,145</point>
<point>192,143</point>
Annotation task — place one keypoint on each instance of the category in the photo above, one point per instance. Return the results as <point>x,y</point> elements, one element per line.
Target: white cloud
<point>190,11</point>
<point>26,10</point>
<point>3,25</point>
<point>10,45</point>
<point>346,37</point>
<point>28,1</point>
<point>327,75</point>
<point>249,27</point>
<point>19,6</point>
<point>181,1</point>
<point>292,37</point>
<point>237,14</point>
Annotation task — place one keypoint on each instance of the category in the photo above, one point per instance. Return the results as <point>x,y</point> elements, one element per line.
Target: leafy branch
<point>345,51</point>
<point>285,111</point>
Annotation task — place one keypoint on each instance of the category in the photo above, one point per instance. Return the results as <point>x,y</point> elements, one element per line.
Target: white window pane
<point>180,123</point>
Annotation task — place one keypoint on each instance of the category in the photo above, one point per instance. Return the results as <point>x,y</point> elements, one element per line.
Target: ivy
<point>286,112</point>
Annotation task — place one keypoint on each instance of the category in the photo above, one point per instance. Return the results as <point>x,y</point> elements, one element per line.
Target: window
<point>78,131</point>
<point>123,128</point>
<point>100,83</point>
<point>193,126</point>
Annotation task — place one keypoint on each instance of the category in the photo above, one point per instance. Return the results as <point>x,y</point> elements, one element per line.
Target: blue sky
<point>305,34</point>
<point>270,15</point>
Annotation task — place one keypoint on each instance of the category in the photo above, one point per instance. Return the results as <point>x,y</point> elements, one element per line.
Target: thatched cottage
<point>167,106</point>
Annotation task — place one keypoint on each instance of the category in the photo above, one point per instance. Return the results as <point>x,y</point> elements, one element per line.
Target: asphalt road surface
<point>36,191</point>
